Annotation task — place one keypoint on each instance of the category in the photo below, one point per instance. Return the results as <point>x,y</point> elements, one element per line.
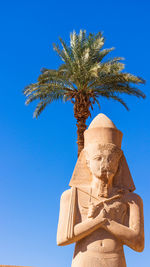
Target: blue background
<point>37,157</point>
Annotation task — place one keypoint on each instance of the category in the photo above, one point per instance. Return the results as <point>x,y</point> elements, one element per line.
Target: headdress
<point>102,131</point>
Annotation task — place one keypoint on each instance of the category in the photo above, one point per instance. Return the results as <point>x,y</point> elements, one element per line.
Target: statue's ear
<point>123,178</point>
<point>81,174</point>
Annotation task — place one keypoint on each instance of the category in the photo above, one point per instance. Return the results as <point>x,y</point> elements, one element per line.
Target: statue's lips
<point>104,172</point>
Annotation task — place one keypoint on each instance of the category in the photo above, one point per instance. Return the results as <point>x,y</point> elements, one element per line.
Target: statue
<point>100,213</point>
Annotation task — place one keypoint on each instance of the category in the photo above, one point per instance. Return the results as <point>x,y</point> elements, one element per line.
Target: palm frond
<point>53,76</point>
<point>103,53</point>
<point>87,72</point>
<point>98,103</point>
<point>114,96</point>
<point>120,100</point>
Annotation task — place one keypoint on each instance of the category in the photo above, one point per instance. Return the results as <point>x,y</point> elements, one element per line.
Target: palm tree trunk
<point>81,113</point>
<point>81,127</point>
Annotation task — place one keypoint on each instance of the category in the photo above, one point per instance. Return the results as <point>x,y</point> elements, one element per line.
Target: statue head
<point>103,160</point>
<point>102,148</point>
<point>102,157</point>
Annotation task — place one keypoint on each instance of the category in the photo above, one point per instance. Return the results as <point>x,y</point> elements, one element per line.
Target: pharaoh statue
<point>100,213</point>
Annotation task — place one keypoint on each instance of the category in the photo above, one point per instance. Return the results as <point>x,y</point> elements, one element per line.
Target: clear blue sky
<point>37,157</point>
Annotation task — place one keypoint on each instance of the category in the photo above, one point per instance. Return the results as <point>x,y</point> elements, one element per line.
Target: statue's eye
<point>99,158</point>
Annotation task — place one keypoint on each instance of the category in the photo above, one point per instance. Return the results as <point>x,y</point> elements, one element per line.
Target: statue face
<point>103,160</point>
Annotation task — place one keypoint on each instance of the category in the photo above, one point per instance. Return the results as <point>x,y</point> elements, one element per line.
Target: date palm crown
<point>82,78</point>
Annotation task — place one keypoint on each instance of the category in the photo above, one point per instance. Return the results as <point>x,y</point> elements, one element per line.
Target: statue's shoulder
<point>66,195</point>
<point>133,197</point>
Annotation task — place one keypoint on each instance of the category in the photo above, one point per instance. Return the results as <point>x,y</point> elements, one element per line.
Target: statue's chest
<point>115,209</point>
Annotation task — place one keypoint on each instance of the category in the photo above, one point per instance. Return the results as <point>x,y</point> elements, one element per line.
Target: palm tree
<point>82,78</point>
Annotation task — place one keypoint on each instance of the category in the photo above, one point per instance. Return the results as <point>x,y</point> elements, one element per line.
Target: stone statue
<point>100,213</point>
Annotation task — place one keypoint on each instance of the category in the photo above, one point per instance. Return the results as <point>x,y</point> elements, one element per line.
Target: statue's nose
<point>103,169</point>
<point>104,164</point>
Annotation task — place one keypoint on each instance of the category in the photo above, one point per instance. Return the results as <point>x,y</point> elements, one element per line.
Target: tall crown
<point>102,131</point>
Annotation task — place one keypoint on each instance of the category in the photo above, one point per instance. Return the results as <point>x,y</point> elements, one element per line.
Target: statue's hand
<point>103,217</point>
<point>103,213</point>
<point>91,210</point>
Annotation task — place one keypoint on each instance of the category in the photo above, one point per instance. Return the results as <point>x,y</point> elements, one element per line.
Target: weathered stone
<point>100,212</point>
